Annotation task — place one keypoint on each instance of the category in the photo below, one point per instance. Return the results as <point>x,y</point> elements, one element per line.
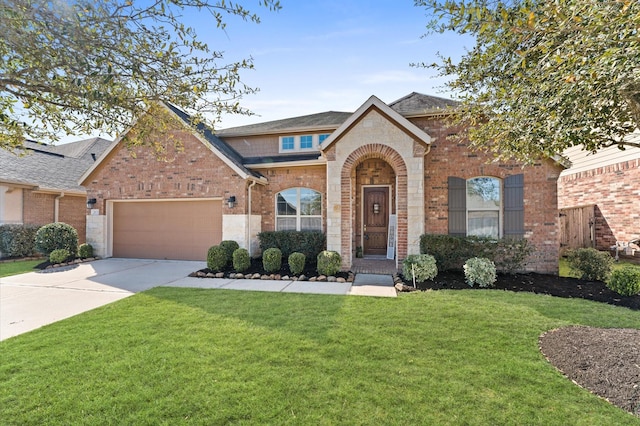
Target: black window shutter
<point>457,206</point>
<point>514,206</point>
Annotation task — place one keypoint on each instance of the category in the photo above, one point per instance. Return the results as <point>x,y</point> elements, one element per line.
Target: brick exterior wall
<point>195,172</point>
<point>264,201</point>
<point>39,209</point>
<point>448,158</point>
<point>615,190</point>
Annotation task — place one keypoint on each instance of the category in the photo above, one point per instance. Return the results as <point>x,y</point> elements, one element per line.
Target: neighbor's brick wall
<point>264,197</point>
<point>193,173</point>
<point>615,190</point>
<point>39,209</point>
<point>448,158</point>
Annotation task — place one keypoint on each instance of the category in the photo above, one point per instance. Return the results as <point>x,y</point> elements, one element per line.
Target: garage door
<point>181,230</point>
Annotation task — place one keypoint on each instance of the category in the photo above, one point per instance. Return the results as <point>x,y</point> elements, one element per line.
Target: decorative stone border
<point>276,277</point>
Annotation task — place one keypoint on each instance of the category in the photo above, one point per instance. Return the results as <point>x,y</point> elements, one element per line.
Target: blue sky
<point>315,56</point>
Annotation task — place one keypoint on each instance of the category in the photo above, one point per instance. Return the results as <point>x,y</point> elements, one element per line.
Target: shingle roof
<point>218,143</point>
<point>417,103</point>
<point>322,120</point>
<point>281,158</point>
<point>51,167</point>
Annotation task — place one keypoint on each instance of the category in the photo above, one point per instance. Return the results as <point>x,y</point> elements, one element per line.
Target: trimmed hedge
<point>309,243</point>
<point>422,266</point>
<point>18,240</point>
<point>216,258</point>
<point>296,262</point>
<point>229,246</point>
<point>451,252</point>
<point>85,251</point>
<point>59,256</point>
<point>625,281</point>
<point>590,263</point>
<point>58,235</point>
<point>272,259</point>
<point>241,260</point>
<point>329,262</point>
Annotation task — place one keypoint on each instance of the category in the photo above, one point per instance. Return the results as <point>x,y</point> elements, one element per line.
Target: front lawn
<point>174,356</point>
<point>18,267</point>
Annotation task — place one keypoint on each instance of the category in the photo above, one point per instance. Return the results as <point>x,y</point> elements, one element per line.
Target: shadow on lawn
<point>290,312</point>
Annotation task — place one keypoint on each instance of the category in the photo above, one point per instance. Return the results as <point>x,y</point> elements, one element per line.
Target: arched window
<point>299,209</point>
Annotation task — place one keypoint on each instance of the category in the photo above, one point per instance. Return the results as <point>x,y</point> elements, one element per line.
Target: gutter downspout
<point>56,207</point>
<point>248,235</point>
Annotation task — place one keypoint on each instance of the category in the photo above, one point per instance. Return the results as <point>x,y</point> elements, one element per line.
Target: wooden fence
<point>577,227</point>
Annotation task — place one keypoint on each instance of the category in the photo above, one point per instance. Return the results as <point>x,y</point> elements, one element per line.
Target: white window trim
<point>298,216</point>
<point>500,208</point>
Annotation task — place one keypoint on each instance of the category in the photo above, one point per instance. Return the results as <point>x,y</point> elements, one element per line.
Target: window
<point>288,143</point>
<point>483,207</point>
<point>321,138</point>
<point>486,206</point>
<point>299,209</point>
<point>306,142</point>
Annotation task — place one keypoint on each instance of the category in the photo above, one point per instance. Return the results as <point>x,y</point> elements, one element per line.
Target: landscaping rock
<point>220,275</point>
<point>285,278</point>
<point>404,287</point>
<point>201,274</point>
<point>211,275</point>
<point>302,277</point>
<point>276,277</point>
<point>322,278</point>
<point>331,279</point>
<point>313,279</point>
<point>341,280</point>
<point>255,276</point>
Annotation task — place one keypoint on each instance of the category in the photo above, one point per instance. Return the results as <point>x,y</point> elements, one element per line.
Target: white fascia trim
<point>306,163</point>
<point>69,192</point>
<point>374,101</point>
<point>287,131</point>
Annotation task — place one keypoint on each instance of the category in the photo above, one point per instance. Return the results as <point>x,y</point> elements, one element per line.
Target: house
<point>373,180</point>
<point>600,196</point>
<point>39,184</point>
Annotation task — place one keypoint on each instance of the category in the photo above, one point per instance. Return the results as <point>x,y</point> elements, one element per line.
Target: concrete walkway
<point>29,301</point>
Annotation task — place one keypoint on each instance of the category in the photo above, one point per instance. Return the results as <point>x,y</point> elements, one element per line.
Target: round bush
<point>272,259</point>
<point>329,262</point>
<point>297,261</point>
<point>590,263</point>
<point>59,256</point>
<point>85,250</point>
<point>216,258</point>
<point>54,236</point>
<point>481,271</point>
<point>625,281</point>
<point>241,260</point>
<point>422,266</point>
<point>229,246</point>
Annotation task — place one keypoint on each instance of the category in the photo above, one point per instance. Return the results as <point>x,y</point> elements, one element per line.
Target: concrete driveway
<point>31,300</point>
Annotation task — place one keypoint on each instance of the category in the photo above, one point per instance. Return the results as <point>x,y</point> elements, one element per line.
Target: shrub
<point>590,263</point>
<point>625,281</point>
<point>272,259</point>
<point>309,243</point>
<point>229,247</point>
<point>450,252</point>
<point>59,256</point>
<point>17,240</point>
<point>241,260</point>
<point>481,271</point>
<point>85,250</point>
<point>216,258</point>
<point>421,266</point>
<point>296,261</point>
<point>54,236</point>
<point>329,262</point>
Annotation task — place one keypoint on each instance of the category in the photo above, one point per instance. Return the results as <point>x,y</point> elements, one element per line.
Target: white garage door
<point>180,230</point>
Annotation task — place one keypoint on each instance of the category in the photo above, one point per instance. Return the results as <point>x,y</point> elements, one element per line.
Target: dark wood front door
<point>375,219</point>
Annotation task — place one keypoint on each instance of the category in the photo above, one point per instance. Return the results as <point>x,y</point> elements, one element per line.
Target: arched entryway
<point>374,187</point>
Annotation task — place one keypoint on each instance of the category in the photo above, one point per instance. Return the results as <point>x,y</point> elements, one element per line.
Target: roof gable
<point>417,104</point>
<point>328,120</point>
<point>374,102</point>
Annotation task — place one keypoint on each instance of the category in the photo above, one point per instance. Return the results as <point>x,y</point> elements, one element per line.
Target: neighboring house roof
<point>584,160</point>
<point>51,167</point>
<point>418,104</point>
<point>329,120</point>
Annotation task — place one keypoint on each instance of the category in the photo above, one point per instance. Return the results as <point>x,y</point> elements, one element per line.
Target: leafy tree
<point>81,66</point>
<point>543,75</point>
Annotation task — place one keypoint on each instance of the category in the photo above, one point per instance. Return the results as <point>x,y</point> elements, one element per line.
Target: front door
<point>375,220</point>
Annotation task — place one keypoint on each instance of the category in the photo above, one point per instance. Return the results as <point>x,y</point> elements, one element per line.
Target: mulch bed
<point>604,361</point>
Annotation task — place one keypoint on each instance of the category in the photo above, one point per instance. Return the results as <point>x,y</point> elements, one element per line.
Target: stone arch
<point>347,196</point>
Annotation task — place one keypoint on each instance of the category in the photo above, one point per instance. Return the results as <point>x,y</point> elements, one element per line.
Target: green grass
<point>18,267</point>
<point>565,270</point>
<point>216,357</point>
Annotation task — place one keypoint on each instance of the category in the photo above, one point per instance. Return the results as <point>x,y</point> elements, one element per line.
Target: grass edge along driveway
<point>173,356</point>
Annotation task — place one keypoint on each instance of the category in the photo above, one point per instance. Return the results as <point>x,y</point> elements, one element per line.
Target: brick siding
<point>615,190</point>
<point>39,209</point>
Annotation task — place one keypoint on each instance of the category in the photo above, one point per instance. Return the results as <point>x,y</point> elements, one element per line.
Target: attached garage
<point>179,230</point>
